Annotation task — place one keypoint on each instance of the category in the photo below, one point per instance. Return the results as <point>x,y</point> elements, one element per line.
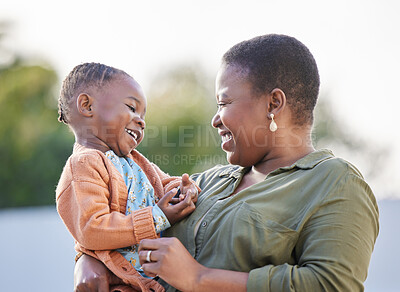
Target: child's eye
<point>131,108</point>
<point>219,105</point>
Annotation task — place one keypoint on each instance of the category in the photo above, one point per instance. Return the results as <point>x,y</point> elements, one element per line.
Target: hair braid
<point>81,78</point>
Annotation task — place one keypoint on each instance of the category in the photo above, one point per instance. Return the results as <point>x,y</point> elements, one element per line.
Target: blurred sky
<point>356,45</point>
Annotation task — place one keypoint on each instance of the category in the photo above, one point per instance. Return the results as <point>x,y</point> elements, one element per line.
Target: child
<point>109,195</point>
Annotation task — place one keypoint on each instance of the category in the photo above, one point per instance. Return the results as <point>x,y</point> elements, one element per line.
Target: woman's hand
<point>91,275</point>
<point>178,211</point>
<point>171,261</point>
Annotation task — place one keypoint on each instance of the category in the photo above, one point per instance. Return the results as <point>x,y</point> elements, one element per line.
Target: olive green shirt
<point>311,226</point>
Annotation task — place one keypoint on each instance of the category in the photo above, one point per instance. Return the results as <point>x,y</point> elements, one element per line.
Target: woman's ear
<point>84,104</point>
<point>276,102</point>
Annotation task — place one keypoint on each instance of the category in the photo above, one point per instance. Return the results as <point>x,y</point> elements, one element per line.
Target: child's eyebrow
<point>137,100</point>
<point>134,98</point>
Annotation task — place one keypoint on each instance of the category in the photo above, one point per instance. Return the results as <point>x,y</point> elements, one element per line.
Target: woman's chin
<point>231,158</point>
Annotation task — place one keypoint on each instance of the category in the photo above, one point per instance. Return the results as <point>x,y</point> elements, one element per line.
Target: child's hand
<point>188,188</point>
<point>175,212</point>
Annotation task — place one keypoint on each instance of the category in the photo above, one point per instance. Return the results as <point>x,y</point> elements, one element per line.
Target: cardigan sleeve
<point>170,182</point>
<point>83,202</point>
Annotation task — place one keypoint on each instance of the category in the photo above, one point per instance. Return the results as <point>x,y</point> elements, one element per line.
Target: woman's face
<point>241,118</point>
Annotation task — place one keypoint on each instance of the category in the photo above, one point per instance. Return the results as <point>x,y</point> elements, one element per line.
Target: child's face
<point>118,111</point>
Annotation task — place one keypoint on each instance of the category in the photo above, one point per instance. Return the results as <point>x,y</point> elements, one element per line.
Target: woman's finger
<point>150,244</point>
<point>143,259</point>
<point>143,254</point>
<point>151,269</point>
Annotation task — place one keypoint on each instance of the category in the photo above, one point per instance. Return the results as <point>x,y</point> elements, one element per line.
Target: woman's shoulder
<point>337,165</point>
<point>342,178</point>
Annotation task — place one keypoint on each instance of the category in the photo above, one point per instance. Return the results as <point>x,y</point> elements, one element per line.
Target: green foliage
<point>332,133</point>
<point>33,146</point>
<point>179,137</point>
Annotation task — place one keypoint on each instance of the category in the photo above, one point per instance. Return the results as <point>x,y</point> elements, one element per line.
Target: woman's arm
<point>172,262</point>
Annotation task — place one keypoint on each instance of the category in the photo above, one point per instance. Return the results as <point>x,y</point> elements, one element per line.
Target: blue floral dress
<point>140,195</point>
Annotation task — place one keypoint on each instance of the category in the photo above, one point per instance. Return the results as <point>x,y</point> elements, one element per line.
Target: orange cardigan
<point>91,199</point>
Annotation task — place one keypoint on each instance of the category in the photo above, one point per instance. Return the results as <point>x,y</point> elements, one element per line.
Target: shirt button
<point>204,224</point>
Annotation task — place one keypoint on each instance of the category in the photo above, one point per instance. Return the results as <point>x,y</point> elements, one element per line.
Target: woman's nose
<point>216,120</point>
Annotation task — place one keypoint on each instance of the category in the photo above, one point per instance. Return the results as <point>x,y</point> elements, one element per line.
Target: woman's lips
<point>227,139</point>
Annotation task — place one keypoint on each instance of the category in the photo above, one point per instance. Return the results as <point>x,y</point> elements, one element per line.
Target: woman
<point>282,216</point>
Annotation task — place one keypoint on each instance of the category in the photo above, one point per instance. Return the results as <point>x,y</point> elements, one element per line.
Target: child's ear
<point>84,104</point>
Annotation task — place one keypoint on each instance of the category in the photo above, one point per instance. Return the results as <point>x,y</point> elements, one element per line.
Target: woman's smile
<point>227,140</point>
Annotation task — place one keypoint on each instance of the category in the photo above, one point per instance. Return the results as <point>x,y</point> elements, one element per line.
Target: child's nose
<point>141,123</point>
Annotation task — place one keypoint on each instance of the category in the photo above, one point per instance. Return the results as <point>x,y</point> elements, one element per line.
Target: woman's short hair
<point>279,61</point>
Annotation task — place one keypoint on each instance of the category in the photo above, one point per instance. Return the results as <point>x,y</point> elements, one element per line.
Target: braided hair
<point>81,78</point>
<point>279,61</point>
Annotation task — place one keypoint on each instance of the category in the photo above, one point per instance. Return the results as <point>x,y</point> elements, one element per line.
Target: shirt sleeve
<point>334,247</point>
<point>160,220</point>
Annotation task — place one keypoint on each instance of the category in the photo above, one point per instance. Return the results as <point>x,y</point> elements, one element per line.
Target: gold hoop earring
<point>273,126</point>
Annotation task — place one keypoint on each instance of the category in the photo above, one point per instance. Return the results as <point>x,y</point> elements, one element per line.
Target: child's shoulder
<point>84,165</point>
<point>86,157</point>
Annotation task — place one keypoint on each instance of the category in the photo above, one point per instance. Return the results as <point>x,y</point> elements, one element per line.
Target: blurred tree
<point>179,137</point>
<point>33,146</point>
<point>330,132</point>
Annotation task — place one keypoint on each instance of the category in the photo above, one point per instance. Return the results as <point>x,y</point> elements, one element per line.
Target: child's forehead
<point>122,88</point>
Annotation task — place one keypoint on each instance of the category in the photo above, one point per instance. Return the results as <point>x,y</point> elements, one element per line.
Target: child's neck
<point>92,142</point>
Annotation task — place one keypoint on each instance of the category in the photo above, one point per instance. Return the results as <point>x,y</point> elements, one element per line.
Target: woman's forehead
<point>232,73</point>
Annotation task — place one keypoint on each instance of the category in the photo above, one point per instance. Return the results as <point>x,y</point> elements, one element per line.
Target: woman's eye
<point>131,108</point>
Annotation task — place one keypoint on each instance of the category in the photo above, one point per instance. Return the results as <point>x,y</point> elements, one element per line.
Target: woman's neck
<point>277,160</point>
<point>295,147</point>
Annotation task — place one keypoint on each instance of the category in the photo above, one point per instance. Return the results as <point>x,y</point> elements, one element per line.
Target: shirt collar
<point>233,171</point>
<point>307,162</point>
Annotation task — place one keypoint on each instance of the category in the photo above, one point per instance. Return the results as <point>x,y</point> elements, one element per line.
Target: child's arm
<point>186,201</point>
<point>184,183</point>
<point>83,202</point>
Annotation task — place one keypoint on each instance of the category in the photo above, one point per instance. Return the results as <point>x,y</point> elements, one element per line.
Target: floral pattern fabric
<point>140,195</point>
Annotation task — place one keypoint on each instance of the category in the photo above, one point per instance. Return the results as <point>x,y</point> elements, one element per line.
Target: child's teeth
<point>131,133</point>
